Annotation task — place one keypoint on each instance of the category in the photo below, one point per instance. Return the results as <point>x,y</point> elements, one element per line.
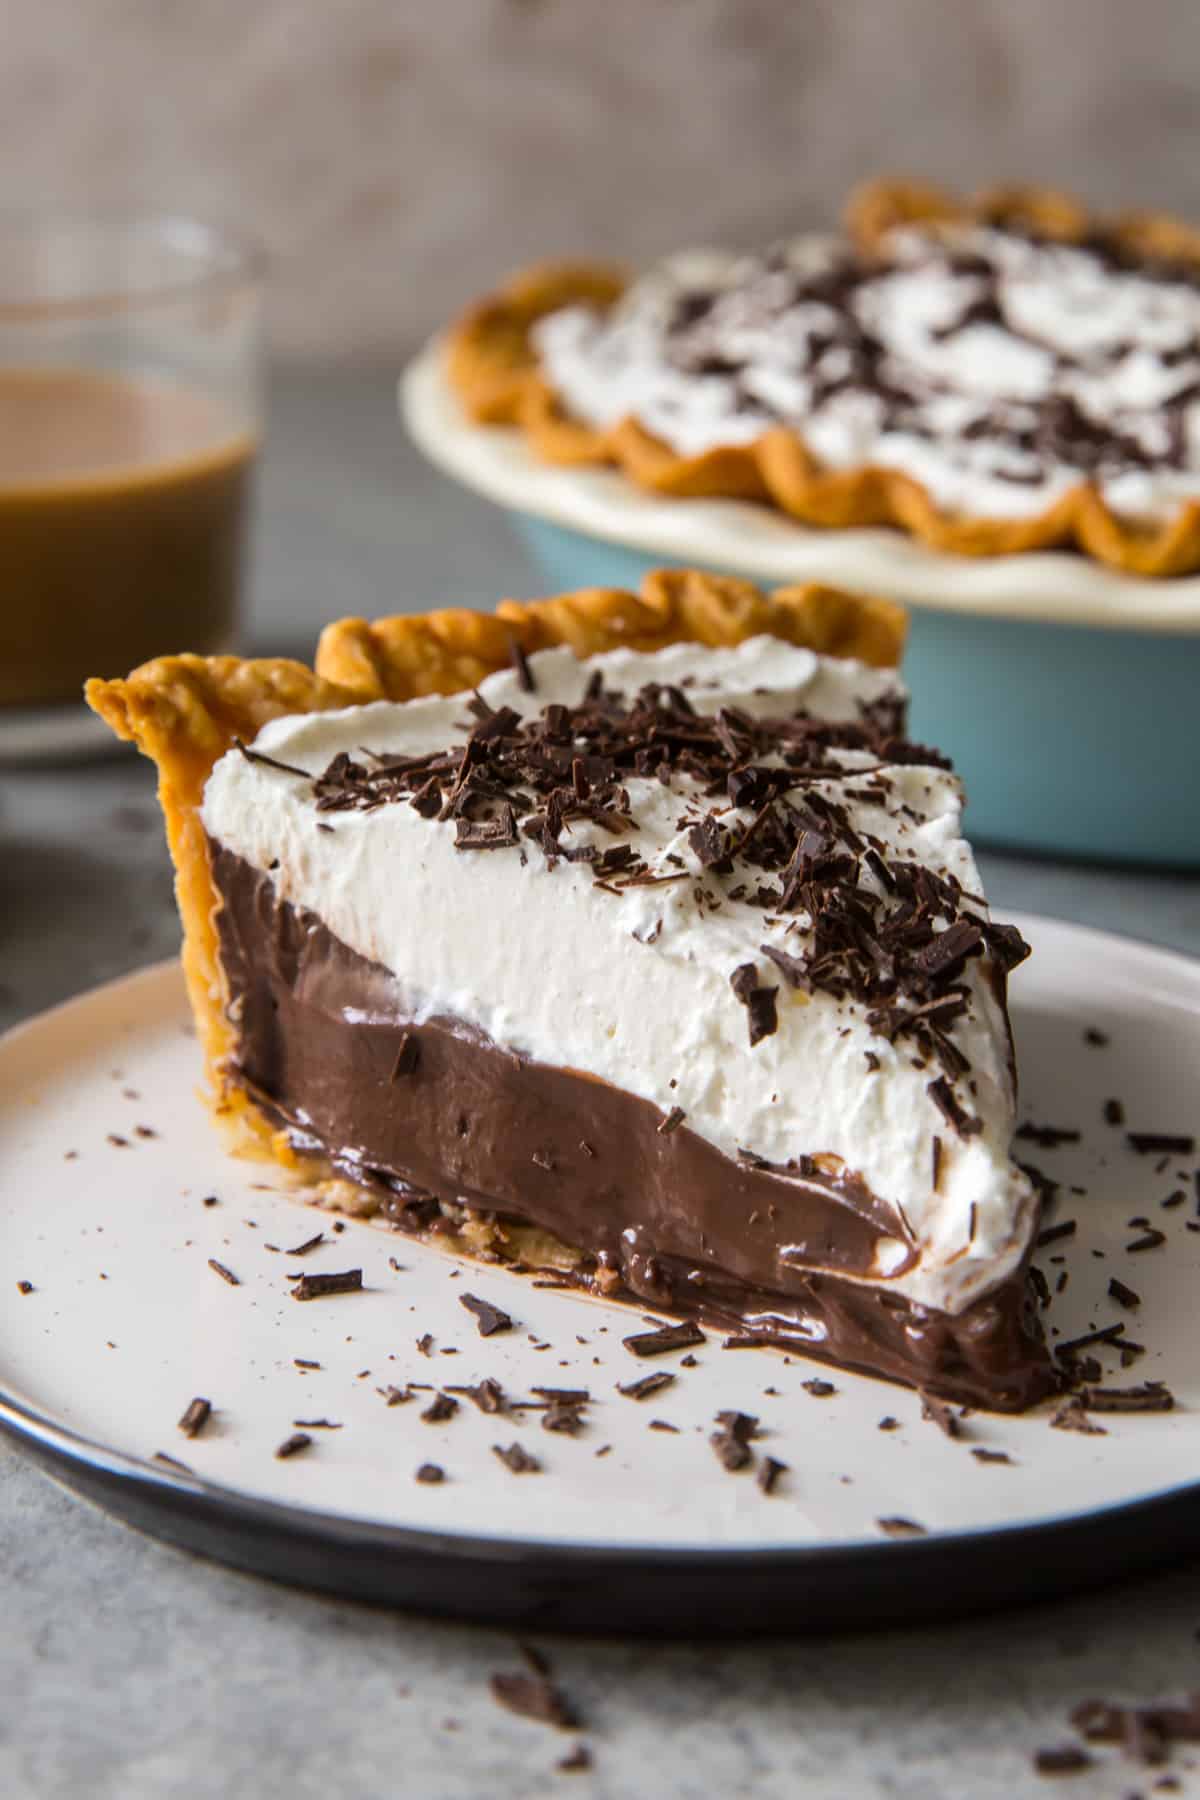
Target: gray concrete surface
<point>129,1671</point>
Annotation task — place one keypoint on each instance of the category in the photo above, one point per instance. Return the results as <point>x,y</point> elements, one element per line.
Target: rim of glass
<point>222,259</point>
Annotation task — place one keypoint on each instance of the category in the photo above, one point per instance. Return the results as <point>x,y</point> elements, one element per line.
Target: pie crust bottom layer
<point>449,1134</point>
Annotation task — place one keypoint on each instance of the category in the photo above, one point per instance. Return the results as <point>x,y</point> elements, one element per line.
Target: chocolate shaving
<point>939,1414</point>
<point>951,1108</point>
<point>1053,1233</point>
<point>225,1274</point>
<point>1047,1137</point>
<point>489,1319</point>
<point>430,1473</point>
<point>487,1395</point>
<point>984,1455</point>
<point>900,1528</point>
<point>292,1446</point>
<point>759,1001</point>
<point>647,1385</point>
<point>270,762</point>
<point>196,1417</point>
<point>517,1459</point>
<point>769,1471</point>
<point>731,1441</point>
<point>673,1120</point>
<point>1147,1396</point>
<point>317,1287</point>
<point>1072,1416</point>
<point>441,1407</point>
<point>520,662</point>
<point>1160,1143</point>
<point>308,1244</point>
<point>535,1698</point>
<point>1061,1759</point>
<point>665,1339</point>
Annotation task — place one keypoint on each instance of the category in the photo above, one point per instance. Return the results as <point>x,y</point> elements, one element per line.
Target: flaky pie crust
<point>185,712</point>
<point>494,370</point>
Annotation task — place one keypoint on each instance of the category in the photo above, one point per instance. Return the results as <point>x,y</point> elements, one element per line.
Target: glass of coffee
<point>130,413</point>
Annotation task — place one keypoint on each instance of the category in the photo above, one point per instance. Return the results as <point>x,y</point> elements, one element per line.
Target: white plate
<point>761,543</point>
<point>127,1322</point>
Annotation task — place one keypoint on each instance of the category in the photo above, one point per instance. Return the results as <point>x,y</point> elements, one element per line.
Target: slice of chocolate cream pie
<point>628,937</point>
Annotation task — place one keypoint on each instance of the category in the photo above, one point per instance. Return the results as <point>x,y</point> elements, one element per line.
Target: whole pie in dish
<point>1005,374</point>
<point>625,936</point>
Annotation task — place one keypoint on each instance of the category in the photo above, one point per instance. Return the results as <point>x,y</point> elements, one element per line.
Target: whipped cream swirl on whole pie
<point>997,368</point>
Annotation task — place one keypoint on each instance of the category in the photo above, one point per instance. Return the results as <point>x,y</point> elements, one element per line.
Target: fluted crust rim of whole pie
<point>494,370</point>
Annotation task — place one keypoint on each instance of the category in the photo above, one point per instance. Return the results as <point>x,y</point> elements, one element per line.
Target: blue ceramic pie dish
<point>1065,693</point>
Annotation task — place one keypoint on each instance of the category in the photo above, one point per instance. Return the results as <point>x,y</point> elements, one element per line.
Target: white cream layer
<point>634,988</point>
<point>1100,334</point>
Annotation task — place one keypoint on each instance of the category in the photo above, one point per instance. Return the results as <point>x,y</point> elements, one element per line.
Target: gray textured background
<point>395,155</point>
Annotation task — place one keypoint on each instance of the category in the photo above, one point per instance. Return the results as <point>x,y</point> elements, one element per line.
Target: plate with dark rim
<point>147,1268</point>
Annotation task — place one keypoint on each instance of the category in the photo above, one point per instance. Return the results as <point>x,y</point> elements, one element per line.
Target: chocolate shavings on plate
<point>517,1459</point>
<point>317,1287</point>
<point>1160,1143</point>
<point>666,1338</point>
<point>490,1319</point>
<point>535,1698</point>
<point>293,1446</point>
<point>196,1417</point>
<point>647,1385</point>
<point>731,1441</point>
<point>218,1268</point>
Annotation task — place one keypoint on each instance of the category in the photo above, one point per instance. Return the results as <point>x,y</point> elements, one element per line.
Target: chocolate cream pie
<point>1002,375</point>
<point>628,937</point>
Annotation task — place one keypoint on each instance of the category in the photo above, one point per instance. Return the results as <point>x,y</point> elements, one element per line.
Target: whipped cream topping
<point>631,984</point>
<point>998,370</point>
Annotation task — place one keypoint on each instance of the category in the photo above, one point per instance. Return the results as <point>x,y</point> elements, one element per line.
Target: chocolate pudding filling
<point>444,1124</point>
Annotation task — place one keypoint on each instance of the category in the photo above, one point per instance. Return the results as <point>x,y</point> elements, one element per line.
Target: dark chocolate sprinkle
<point>673,1120</point>
<point>490,1319</point>
<point>665,1339</point>
<point>1147,1396</point>
<point>1114,1112</point>
<point>1124,1296</point>
<point>225,1274</point>
<point>196,1417</point>
<point>517,1459</point>
<point>983,1455</point>
<point>441,1407</point>
<point>430,1473</point>
<point>292,1446</point>
<point>316,1287</point>
<point>535,1698</point>
<point>308,1244</point>
<point>648,1384</point>
<point>1047,1137</point>
<point>769,1471</point>
<point>1160,1143</point>
<point>939,1414</point>
<point>1053,1233</point>
<point>1061,1759</point>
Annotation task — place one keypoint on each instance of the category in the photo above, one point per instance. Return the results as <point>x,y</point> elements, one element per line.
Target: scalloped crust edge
<point>494,370</point>
<point>185,712</point>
